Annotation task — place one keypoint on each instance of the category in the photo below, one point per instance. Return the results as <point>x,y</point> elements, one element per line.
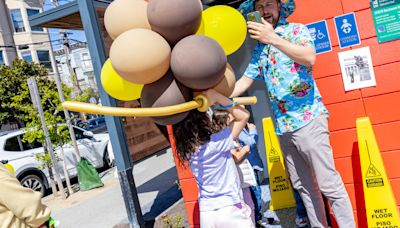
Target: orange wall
<point>188,186</point>
<point>380,103</point>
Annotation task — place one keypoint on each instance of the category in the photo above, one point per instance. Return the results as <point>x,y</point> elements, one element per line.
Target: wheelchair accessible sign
<point>320,35</point>
<point>347,30</point>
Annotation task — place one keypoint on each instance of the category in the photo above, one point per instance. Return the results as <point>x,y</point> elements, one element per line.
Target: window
<point>32,12</point>
<point>17,20</point>
<point>44,59</point>
<point>13,144</point>
<point>27,56</point>
<point>1,58</point>
<point>78,133</point>
<point>30,146</point>
<point>86,60</point>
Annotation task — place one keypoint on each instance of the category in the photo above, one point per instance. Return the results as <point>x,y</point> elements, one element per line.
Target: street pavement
<point>155,179</point>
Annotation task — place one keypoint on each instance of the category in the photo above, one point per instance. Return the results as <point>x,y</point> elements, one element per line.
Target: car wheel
<point>33,182</point>
<point>108,163</point>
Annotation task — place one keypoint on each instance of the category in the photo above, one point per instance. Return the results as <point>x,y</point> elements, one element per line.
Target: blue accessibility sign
<point>347,30</point>
<point>319,33</point>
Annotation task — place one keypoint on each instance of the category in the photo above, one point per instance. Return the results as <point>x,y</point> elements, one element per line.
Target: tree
<point>16,105</point>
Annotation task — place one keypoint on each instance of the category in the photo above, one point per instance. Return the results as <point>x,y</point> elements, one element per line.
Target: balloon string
<point>200,102</point>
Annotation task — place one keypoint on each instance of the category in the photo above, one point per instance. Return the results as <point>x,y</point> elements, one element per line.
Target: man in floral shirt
<point>283,58</point>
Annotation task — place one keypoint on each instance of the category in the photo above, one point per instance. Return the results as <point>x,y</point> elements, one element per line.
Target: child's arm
<point>239,154</point>
<point>240,115</point>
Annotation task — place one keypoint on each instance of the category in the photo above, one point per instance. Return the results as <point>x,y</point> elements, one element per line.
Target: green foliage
<point>16,105</point>
<point>172,222</point>
<point>14,93</point>
<point>45,160</point>
<point>178,184</point>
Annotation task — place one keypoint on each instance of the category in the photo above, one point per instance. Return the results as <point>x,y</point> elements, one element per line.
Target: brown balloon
<point>227,84</point>
<point>174,19</point>
<point>198,62</point>
<point>140,56</point>
<point>165,92</point>
<point>123,15</point>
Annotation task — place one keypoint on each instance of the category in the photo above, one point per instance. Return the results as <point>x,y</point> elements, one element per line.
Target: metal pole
<point>34,91</point>
<point>66,112</point>
<point>69,125</point>
<point>115,128</point>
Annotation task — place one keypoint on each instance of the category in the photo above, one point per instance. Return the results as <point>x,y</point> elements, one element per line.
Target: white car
<point>21,155</point>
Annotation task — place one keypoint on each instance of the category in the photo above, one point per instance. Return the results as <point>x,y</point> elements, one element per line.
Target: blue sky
<point>55,33</point>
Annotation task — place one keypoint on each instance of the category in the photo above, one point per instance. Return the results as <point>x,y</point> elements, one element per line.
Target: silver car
<point>21,155</point>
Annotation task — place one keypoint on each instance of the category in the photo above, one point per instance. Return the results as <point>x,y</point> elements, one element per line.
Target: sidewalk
<point>159,197</point>
<point>284,218</point>
<point>104,207</point>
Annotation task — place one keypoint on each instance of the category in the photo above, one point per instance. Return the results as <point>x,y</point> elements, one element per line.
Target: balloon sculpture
<point>165,50</point>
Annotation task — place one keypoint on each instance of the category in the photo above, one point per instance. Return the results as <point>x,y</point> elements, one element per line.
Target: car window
<point>33,145</point>
<point>13,144</point>
<point>92,123</point>
<point>78,133</point>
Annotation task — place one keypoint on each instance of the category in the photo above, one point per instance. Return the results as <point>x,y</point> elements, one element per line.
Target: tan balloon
<point>140,56</point>
<point>123,15</point>
<point>227,84</point>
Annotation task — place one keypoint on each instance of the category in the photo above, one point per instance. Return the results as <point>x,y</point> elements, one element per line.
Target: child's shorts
<point>238,215</point>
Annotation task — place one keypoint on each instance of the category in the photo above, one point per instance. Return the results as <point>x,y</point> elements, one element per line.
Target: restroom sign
<point>320,35</point>
<point>347,30</point>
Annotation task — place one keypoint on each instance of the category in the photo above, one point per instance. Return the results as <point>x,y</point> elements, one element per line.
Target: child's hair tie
<point>230,105</point>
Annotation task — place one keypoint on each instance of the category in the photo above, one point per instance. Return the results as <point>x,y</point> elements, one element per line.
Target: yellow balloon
<point>118,87</point>
<point>10,168</point>
<point>200,31</point>
<point>225,25</point>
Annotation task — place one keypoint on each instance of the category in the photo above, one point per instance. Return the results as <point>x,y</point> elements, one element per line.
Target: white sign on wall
<point>357,68</point>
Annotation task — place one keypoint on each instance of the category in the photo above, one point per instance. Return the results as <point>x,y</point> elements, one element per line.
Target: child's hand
<point>246,149</point>
<point>211,95</point>
<point>250,125</point>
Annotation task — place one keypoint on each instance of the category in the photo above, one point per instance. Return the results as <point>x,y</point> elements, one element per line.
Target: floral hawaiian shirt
<point>294,95</point>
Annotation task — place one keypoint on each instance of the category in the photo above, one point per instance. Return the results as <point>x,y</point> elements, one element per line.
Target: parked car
<point>96,125</point>
<point>21,155</point>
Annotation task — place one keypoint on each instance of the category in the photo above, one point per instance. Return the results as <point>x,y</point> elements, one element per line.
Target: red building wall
<point>380,103</point>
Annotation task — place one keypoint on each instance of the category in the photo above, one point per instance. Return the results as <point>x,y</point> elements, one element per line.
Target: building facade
<point>19,39</point>
<point>81,65</point>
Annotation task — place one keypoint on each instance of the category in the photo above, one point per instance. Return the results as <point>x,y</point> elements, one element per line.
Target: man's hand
<point>264,32</point>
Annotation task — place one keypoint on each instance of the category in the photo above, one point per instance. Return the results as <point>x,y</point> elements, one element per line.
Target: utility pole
<point>36,100</point>
<point>65,42</point>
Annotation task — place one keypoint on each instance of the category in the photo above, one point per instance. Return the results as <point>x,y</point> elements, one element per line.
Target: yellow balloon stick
<point>200,102</point>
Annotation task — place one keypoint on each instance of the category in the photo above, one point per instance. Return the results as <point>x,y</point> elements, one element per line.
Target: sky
<point>55,33</point>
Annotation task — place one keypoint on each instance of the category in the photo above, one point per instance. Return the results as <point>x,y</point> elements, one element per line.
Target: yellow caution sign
<point>379,199</point>
<point>280,187</point>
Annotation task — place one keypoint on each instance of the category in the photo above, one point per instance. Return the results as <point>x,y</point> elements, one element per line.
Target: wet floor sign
<point>280,187</point>
<point>380,203</point>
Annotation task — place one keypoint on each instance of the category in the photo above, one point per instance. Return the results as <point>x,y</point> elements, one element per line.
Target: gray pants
<point>309,161</point>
